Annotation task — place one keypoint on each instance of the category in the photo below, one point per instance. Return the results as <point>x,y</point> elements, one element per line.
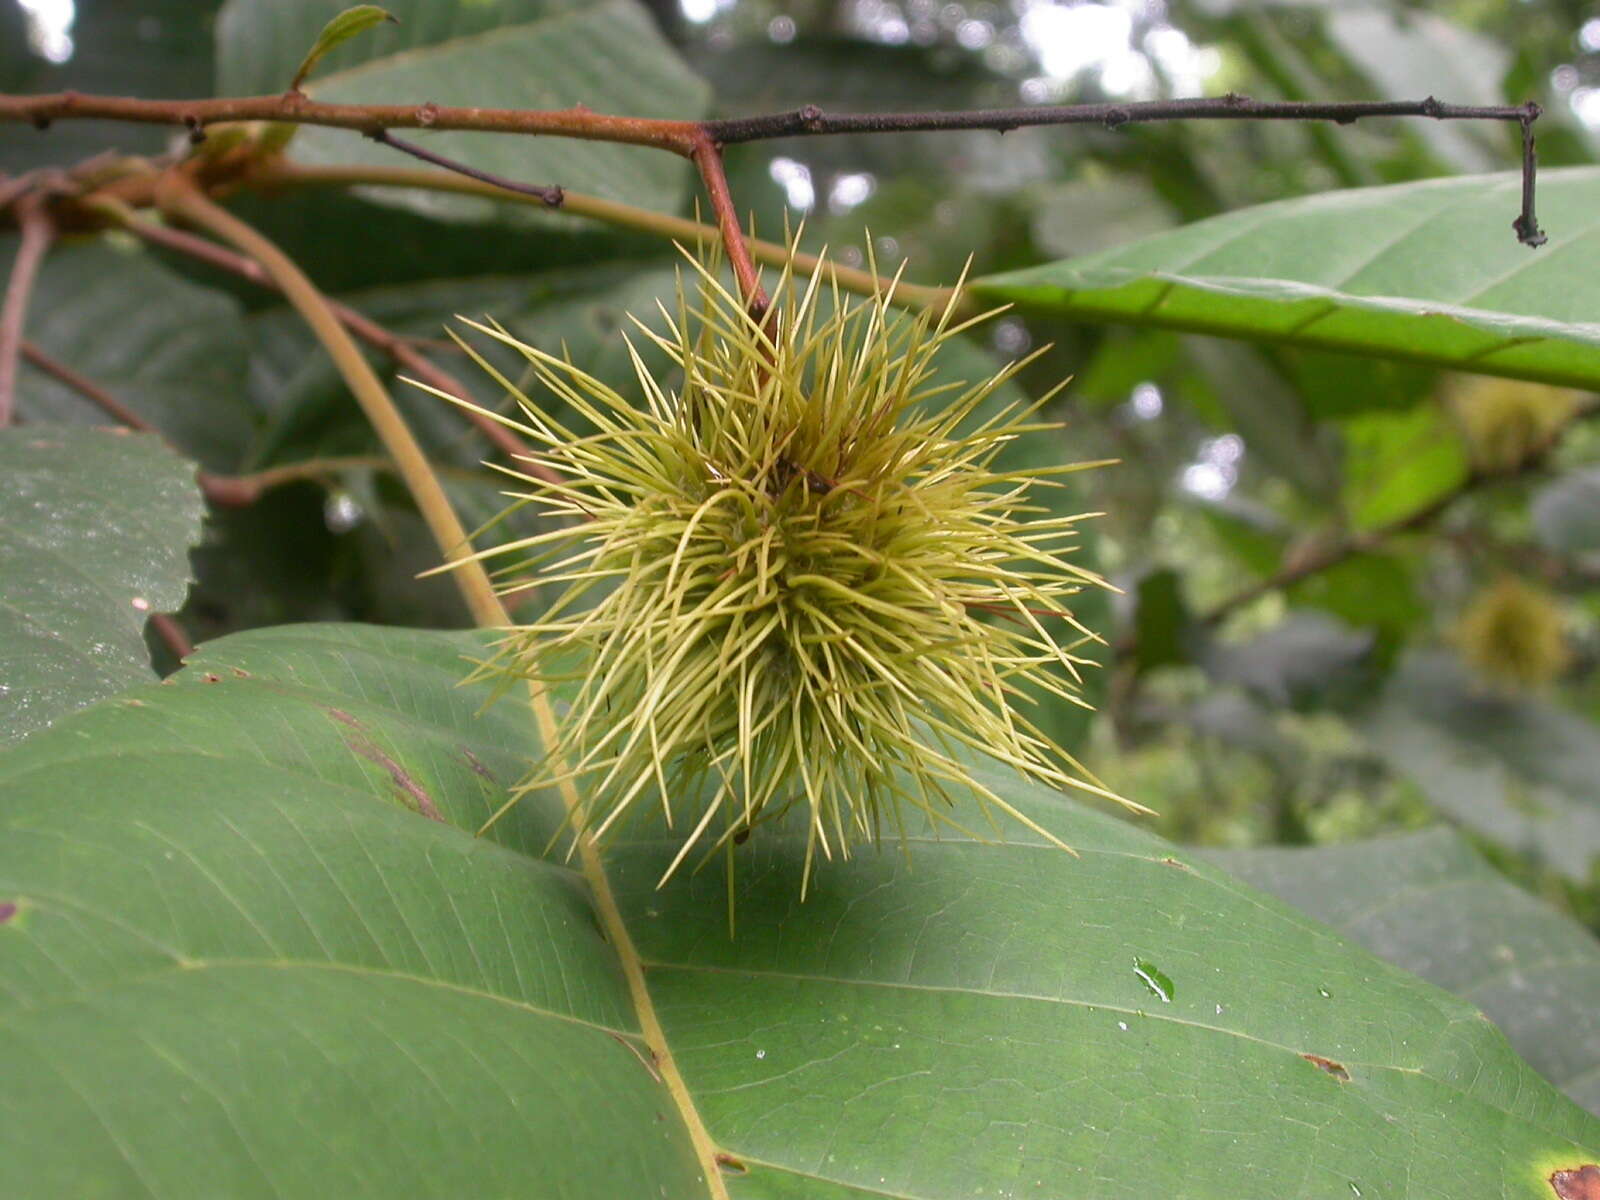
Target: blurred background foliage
<point>1446,674</point>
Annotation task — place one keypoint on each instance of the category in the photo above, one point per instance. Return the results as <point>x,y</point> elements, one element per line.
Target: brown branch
<point>225,491</point>
<point>38,231</point>
<point>686,137</point>
<point>87,388</point>
<point>708,158</point>
<point>676,136</point>
<point>1336,552</point>
<point>404,354</point>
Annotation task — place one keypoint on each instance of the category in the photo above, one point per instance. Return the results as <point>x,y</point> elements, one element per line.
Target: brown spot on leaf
<point>7,911</point>
<point>210,677</point>
<point>240,673</point>
<point>729,1163</point>
<point>477,766</point>
<point>402,779</point>
<point>1172,862</point>
<point>1332,1068</point>
<point>1577,1183</point>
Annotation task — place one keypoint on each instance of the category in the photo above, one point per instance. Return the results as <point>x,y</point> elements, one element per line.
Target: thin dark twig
<point>38,231</point>
<point>708,158</point>
<point>686,137</point>
<point>86,387</point>
<point>1526,224</point>
<point>551,194</point>
<point>811,121</point>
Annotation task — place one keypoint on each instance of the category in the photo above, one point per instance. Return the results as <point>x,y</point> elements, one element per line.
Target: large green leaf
<point>95,538</point>
<point>252,952</point>
<point>1430,903</point>
<point>608,56</point>
<point>1425,272</point>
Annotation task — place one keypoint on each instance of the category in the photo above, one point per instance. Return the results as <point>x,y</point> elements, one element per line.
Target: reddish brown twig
<point>86,387</point>
<point>581,123</point>
<point>38,231</point>
<point>708,157</point>
<point>225,491</point>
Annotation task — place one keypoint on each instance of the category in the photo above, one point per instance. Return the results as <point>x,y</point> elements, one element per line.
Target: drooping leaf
<point>1425,272</point>
<point>1511,766</point>
<point>525,54</point>
<point>1429,903</point>
<point>247,958</point>
<point>348,24</point>
<point>95,538</point>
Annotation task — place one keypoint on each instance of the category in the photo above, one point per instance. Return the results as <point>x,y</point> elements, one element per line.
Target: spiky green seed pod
<point>793,577</point>
<point>1513,634</point>
<point>1506,422</point>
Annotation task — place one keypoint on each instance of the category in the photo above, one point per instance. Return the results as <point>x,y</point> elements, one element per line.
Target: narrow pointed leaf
<point>341,29</point>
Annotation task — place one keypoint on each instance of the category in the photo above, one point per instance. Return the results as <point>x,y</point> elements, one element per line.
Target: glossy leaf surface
<point>1425,272</point>
<point>95,537</point>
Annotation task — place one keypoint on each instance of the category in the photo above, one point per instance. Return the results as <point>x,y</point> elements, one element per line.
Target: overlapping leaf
<point>95,537</point>
<point>1429,903</point>
<point>1425,272</point>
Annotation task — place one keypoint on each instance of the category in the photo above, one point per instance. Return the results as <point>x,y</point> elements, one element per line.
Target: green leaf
<point>1398,463</point>
<point>341,29</point>
<point>1429,903</point>
<point>95,538</point>
<point>1425,272</point>
<point>1510,766</point>
<point>1162,623</point>
<point>609,56</point>
<point>245,960</point>
<point>174,353</point>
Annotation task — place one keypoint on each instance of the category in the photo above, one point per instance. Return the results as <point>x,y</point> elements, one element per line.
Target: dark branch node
<point>41,122</point>
<point>1527,224</point>
<point>197,131</point>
